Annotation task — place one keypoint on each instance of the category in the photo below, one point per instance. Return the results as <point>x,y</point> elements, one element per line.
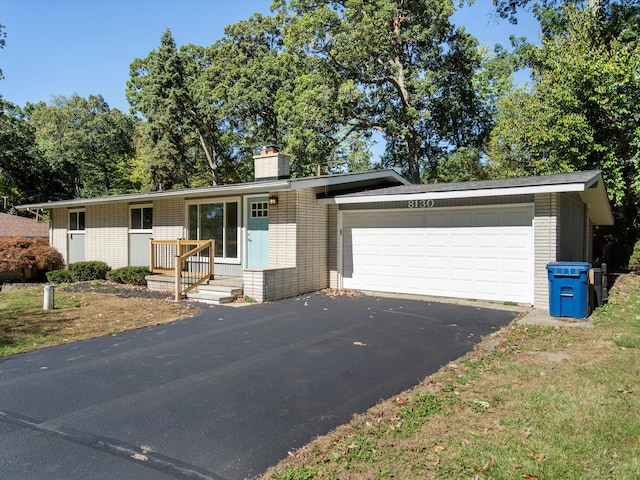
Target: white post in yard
<point>49,300</point>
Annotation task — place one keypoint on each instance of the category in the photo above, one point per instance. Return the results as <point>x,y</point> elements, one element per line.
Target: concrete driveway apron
<point>222,395</point>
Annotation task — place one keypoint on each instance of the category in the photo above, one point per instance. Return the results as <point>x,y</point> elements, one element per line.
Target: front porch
<point>217,290</point>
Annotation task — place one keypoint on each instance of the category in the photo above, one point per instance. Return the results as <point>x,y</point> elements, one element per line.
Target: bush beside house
<point>129,275</point>
<point>95,270</point>
<point>27,255</point>
<point>634,261</point>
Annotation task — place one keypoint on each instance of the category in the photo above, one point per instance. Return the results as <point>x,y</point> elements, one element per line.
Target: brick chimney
<point>270,164</point>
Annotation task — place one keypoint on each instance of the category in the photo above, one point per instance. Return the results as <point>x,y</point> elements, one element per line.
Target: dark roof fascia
<point>557,182</point>
<point>588,184</point>
<point>263,186</point>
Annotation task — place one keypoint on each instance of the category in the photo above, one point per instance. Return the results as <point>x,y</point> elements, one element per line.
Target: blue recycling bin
<point>568,289</point>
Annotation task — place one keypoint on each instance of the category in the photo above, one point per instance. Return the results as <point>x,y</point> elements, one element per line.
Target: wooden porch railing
<point>190,261</point>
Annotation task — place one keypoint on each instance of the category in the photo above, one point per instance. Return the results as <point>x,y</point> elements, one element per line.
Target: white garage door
<point>476,253</point>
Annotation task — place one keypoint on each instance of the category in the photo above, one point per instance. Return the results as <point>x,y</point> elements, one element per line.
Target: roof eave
<point>226,190</point>
<point>221,191</point>
<point>592,191</point>
<point>440,195</point>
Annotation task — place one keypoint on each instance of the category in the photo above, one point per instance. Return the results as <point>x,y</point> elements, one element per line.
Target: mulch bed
<point>124,291</point>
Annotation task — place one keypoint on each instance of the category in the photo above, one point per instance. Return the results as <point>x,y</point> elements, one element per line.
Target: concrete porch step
<point>228,289</point>
<point>216,293</point>
<point>211,297</point>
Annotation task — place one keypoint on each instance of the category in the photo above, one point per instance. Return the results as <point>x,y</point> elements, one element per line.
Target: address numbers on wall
<point>420,203</point>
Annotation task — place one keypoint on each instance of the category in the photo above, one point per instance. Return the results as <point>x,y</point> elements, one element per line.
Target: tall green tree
<point>3,36</point>
<point>582,111</point>
<point>157,92</point>
<point>204,126</point>
<point>24,175</point>
<point>86,142</point>
<point>402,70</point>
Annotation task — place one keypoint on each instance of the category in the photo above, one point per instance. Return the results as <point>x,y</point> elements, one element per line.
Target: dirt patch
<point>548,357</point>
<point>82,311</point>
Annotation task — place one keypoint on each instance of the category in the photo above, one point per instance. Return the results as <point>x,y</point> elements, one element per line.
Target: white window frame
<point>140,207</point>
<point>224,200</point>
<point>75,229</point>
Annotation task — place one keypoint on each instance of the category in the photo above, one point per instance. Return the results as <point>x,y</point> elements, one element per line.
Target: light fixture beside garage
<point>273,200</point>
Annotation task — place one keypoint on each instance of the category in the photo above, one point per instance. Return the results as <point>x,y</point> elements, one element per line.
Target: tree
<point>202,119</point>
<point>85,142</point>
<point>3,36</point>
<point>24,175</point>
<point>397,66</point>
<point>157,92</point>
<point>509,8</point>
<point>19,253</point>
<point>582,111</point>
<point>254,79</point>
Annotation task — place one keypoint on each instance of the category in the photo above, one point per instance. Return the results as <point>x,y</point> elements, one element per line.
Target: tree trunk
<point>210,158</point>
<point>414,158</point>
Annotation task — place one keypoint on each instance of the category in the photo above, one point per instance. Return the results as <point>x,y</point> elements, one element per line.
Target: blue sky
<point>62,47</point>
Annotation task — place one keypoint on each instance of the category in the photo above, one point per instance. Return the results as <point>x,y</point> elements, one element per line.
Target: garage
<point>484,240</point>
<point>477,253</point>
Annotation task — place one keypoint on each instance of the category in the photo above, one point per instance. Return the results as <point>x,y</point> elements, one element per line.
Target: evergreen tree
<point>158,93</point>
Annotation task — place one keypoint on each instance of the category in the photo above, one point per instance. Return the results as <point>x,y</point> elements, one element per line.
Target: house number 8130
<point>420,203</point>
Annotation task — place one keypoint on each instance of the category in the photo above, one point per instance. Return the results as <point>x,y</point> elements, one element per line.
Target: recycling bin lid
<point>570,269</point>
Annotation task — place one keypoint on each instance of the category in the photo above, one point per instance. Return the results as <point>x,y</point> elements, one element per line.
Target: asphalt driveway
<point>222,395</point>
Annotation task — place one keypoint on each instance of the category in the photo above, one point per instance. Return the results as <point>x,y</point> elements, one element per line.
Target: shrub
<point>85,271</point>
<point>129,275</point>
<point>59,276</point>
<point>634,261</point>
<point>19,253</point>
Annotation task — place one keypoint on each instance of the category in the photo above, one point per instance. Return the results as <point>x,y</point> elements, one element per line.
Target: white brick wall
<point>107,234</point>
<point>312,242</point>
<point>298,258</point>
<point>333,246</point>
<point>546,230</point>
<point>59,224</point>
<point>168,219</point>
<point>272,165</point>
<point>107,229</point>
<point>283,231</point>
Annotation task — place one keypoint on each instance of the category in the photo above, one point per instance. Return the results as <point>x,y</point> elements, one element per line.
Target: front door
<point>76,247</point>
<point>257,232</point>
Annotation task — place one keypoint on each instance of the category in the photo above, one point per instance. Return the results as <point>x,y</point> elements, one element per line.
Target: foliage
<point>129,275</point>
<point>3,36</point>
<point>634,261</point>
<point>85,143</point>
<point>19,253</point>
<point>157,91</point>
<point>59,276</point>
<point>398,68</point>
<point>581,113</point>
<point>89,270</point>
<point>24,175</point>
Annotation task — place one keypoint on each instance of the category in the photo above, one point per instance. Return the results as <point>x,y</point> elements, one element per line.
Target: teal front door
<point>257,232</point>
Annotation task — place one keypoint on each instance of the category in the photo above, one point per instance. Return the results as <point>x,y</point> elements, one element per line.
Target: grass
<point>25,326</point>
<point>545,403</point>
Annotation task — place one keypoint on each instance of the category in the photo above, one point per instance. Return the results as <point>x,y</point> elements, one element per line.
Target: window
<point>216,221</point>
<point>259,210</point>
<point>76,220</point>
<point>141,218</point>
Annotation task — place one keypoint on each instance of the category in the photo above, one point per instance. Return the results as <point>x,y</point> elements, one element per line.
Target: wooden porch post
<point>152,254</point>
<point>178,268</point>
<point>211,255</point>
